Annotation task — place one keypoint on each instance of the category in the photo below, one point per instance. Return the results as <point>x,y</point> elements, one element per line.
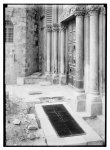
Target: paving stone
<point>45,83</point>
<point>16,121</point>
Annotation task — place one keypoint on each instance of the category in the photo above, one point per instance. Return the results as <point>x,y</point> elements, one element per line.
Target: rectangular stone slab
<point>63,123</point>
<point>53,139</point>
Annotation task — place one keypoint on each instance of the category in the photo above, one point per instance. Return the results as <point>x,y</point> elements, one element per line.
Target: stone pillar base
<point>93,105</point>
<point>48,76</point>
<point>55,79</point>
<point>63,80</point>
<point>81,103</point>
<point>20,80</point>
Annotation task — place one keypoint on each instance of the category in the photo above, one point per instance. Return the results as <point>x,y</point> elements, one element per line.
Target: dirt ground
<point>17,135</point>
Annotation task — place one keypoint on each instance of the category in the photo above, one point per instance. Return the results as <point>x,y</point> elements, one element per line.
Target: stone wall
<point>22,56</point>
<point>32,40</point>
<point>15,51</point>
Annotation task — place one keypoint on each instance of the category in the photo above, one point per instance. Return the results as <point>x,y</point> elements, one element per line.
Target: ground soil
<point>19,134</point>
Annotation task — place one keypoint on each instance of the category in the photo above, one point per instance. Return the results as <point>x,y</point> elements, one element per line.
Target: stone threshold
<point>90,138</point>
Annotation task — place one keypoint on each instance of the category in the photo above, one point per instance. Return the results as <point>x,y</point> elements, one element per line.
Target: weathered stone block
<point>93,105</point>
<point>20,80</point>
<point>63,80</point>
<point>81,106</point>
<point>96,108</point>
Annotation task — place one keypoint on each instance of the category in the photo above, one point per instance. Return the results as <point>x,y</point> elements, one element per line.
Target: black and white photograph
<point>55,80</point>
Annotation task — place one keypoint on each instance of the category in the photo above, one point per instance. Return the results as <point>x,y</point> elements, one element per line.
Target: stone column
<point>101,50</point>
<point>104,49</point>
<point>54,53</point>
<point>55,47</point>
<point>49,29</point>
<point>79,51</point>
<point>93,101</point>
<point>103,62</point>
<point>94,48</point>
<point>62,52</point>
<point>86,51</point>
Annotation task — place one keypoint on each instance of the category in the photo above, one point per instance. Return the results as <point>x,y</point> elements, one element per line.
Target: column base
<point>20,80</point>
<point>93,105</point>
<point>81,103</point>
<point>55,79</point>
<point>63,79</point>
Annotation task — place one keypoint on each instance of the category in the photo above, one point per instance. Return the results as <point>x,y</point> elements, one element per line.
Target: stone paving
<point>35,92</point>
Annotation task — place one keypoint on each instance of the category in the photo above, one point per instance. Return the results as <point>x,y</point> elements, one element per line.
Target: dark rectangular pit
<point>63,123</point>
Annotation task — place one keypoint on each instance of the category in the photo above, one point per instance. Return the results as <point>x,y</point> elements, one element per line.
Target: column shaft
<point>48,49</point>
<point>104,48</point>
<point>86,51</point>
<point>100,51</point>
<point>54,49</point>
<point>62,52</point>
<point>94,48</point>
<point>79,51</point>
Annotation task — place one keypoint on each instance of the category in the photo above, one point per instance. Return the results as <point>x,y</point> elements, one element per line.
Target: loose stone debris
<point>32,127</point>
<point>21,124</point>
<point>16,122</point>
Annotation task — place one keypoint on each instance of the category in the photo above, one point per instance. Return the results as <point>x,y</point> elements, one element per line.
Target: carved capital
<point>79,13</point>
<point>55,27</point>
<point>62,28</point>
<point>102,10</point>
<point>93,10</point>
<point>86,14</point>
<point>49,28</point>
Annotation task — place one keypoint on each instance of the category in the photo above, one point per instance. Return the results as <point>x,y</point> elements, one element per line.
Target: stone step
<point>31,80</point>
<point>36,79</point>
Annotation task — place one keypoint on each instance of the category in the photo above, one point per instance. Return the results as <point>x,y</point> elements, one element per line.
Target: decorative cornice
<point>74,10</point>
<point>81,10</point>
<point>49,28</point>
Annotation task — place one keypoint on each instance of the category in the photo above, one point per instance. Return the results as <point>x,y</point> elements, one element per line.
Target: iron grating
<point>61,120</point>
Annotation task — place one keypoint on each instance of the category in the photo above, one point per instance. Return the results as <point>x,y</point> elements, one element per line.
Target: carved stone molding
<point>49,28</point>
<point>75,9</point>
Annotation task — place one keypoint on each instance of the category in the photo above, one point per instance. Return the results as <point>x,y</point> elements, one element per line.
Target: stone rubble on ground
<point>16,122</point>
<point>31,136</point>
<point>31,117</point>
<point>33,127</point>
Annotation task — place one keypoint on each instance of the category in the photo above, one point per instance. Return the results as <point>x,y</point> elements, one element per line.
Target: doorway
<point>71,52</point>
